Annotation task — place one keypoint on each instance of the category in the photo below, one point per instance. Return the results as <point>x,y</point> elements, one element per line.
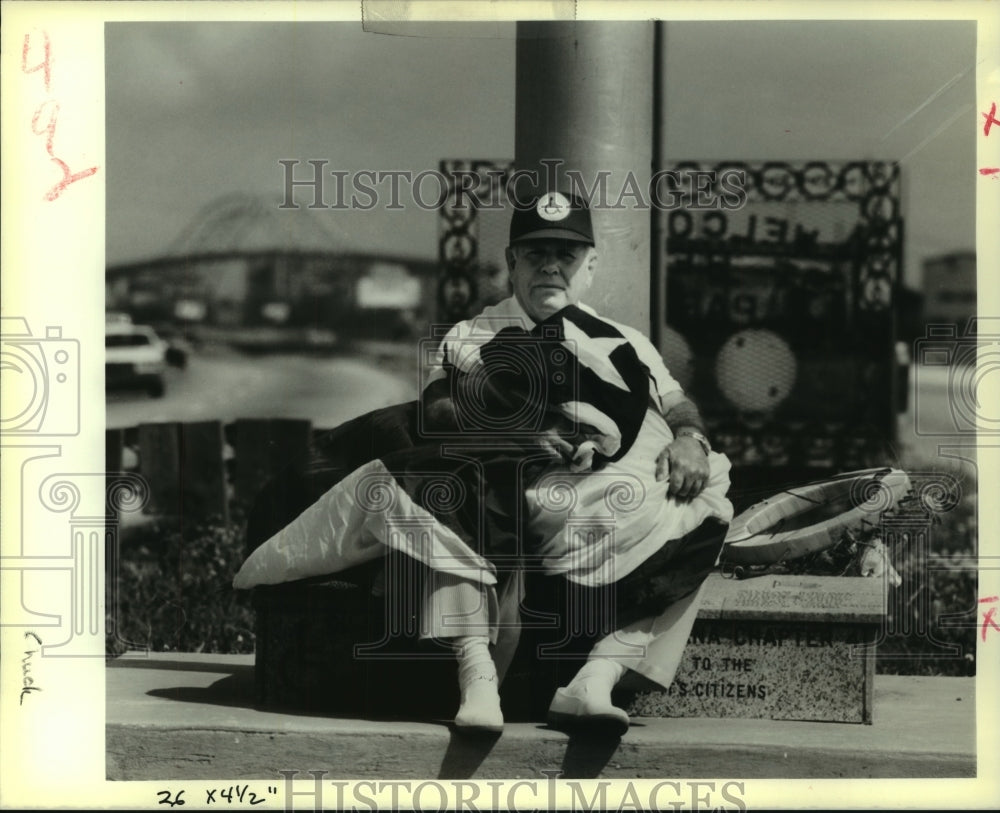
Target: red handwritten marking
<point>991,119</point>
<point>50,127</point>
<point>51,107</point>
<point>988,620</point>
<point>45,65</point>
<point>67,178</point>
<point>989,170</point>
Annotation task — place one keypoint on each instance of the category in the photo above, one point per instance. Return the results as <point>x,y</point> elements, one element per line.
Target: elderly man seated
<point>549,414</point>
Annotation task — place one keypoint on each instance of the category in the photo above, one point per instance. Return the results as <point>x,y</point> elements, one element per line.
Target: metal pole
<point>657,241</point>
<point>584,96</point>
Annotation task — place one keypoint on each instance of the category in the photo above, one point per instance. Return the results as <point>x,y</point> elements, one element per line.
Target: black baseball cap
<point>554,215</point>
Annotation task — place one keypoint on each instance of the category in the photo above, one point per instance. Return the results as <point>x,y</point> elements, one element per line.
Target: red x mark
<point>991,119</point>
<point>988,620</point>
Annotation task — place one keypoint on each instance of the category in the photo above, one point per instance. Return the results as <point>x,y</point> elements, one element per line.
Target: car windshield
<point>126,340</point>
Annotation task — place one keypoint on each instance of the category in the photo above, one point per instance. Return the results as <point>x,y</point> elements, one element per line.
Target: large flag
<point>455,501</point>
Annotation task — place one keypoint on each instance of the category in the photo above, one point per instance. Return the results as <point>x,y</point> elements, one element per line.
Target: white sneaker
<point>577,708</point>
<point>480,707</point>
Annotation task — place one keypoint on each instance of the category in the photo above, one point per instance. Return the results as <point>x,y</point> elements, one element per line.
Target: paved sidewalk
<point>191,716</point>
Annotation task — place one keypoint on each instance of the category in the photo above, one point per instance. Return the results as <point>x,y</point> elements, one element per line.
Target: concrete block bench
<point>770,647</point>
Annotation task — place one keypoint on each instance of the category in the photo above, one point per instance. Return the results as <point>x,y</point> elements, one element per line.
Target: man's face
<point>550,274</point>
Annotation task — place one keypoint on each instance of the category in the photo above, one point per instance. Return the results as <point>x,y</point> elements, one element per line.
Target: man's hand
<point>685,463</point>
<point>557,445</point>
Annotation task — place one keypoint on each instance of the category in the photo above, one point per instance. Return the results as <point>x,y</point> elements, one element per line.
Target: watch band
<point>698,436</point>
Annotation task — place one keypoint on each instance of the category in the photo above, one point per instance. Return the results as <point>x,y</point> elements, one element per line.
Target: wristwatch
<point>706,447</point>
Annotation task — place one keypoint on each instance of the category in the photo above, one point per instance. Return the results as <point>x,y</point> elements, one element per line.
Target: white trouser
<point>653,646</point>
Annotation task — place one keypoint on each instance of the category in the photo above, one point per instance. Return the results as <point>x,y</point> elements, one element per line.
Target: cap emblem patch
<point>553,206</point>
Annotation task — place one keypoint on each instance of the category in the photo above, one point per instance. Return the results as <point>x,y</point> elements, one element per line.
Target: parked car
<point>134,357</point>
<point>178,345</point>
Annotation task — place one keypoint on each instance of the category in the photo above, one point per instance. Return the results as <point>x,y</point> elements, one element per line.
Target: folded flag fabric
<point>573,372</point>
<point>457,501</point>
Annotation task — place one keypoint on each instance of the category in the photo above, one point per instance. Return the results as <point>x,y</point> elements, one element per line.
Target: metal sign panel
<point>777,317</point>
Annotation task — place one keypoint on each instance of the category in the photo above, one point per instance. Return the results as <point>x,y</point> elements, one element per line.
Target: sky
<point>199,110</point>
<point>196,111</point>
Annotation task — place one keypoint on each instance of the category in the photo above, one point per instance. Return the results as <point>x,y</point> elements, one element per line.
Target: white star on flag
<point>595,353</point>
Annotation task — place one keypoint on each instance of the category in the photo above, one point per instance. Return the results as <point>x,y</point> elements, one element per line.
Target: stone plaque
<point>854,600</point>
<point>779,648</point>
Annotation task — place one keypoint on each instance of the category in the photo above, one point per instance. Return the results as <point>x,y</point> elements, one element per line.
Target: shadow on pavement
<point>466,752</point>
<point>239,690</point>
<point>588,754</point>
<point>235,690</point>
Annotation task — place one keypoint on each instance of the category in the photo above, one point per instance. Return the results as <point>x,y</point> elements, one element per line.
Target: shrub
<point>937,609</point>
<point>174,590</point>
